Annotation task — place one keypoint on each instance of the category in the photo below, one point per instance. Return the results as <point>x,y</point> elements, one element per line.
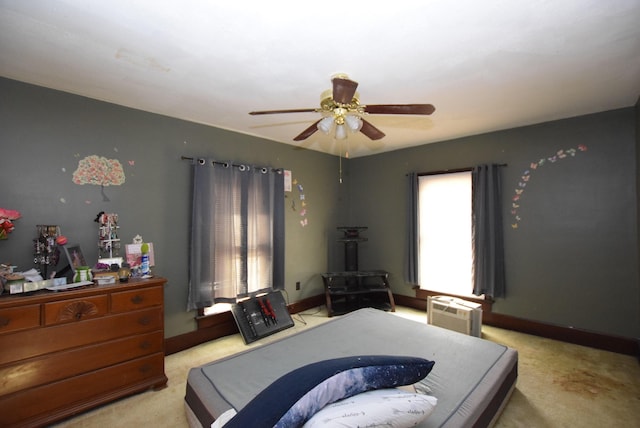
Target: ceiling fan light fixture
<point>353,122</point>
<point>341,132</point>
<point>326,124</point>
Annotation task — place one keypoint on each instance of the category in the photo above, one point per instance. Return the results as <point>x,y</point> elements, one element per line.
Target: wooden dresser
<point>63,352</point>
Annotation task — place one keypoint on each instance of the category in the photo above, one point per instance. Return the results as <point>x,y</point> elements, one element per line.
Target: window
<point>445,233</point>
<point>237,236</point>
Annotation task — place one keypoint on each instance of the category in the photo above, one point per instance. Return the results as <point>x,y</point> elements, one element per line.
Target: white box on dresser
<point>62,353</point>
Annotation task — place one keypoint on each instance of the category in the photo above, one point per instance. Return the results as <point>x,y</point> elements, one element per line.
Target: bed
<point>471,378</point>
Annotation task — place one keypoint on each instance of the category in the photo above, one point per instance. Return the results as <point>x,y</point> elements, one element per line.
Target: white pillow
<point>380,407</point>
<point>223,418</point>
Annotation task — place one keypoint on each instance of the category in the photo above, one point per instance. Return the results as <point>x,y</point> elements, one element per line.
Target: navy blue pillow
<point>296,396</point>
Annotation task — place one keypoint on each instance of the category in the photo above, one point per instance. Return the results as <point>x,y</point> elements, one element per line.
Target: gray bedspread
<point>468,375</point>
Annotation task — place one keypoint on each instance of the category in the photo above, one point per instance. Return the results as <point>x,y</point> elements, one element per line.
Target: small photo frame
<point>134,254</point>
<point>74,256</point>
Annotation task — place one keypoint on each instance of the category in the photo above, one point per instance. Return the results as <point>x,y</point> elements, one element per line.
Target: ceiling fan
<point>342,111</point>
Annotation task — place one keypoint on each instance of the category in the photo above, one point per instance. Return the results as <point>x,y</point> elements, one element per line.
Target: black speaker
<point>261,316</point>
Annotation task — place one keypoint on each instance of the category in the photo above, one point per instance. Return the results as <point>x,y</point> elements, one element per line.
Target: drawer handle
<point>137,299</point>
<point>4,321</point>
<point>77,310</point>
<point>145,368</point>
<point>145,345</point>
<point>144,321</point>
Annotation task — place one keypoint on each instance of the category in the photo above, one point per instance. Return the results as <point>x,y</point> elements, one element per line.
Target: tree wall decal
<point>99,171</point>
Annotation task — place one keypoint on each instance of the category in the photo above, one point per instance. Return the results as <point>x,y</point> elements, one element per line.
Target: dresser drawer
<point>19,318</point>
<point>136,299</point>
<point>33,406</point>
<point>60,365</point>
<point>74,310</point>
<point>40,341</point>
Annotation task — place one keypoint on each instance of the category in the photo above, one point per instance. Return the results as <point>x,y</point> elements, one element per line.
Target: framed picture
<point>75,256</point>
<point>134,254</point>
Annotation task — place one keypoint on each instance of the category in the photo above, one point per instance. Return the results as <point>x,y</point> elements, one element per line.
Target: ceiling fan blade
<point>307,132</point>
<point>343,90</point>
<point>399,109</point>
<point>295,110</point>
<point>371,131</point>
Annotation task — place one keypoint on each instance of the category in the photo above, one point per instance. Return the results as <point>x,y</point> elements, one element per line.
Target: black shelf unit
<point>352,289</point>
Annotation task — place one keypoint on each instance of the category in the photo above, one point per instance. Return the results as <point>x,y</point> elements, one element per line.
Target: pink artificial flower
<point>10,214</point>
<point>6,225</point>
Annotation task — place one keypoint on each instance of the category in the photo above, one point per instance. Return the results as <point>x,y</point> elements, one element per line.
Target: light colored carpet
<point>559,384</point>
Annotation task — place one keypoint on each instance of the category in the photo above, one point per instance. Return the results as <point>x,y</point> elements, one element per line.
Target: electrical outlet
<point>297,285</point>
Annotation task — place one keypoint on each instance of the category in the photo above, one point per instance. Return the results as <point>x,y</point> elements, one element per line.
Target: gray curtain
<point>412,263</point>
<point>237,232</point>
<point>488,246</point>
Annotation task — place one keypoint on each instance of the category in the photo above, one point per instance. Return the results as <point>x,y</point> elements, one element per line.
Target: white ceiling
<point>485,65</point>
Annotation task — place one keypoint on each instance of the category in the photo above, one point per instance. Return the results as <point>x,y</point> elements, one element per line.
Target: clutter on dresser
<point>46,251</point>
<point>108,240</point>
<point>105,277</point>
<point>75,257</point>
<point>82,273</point>
<point>61,265</point>
<point>124,273</point>
<point>24,282</point>
<point>139,256</point>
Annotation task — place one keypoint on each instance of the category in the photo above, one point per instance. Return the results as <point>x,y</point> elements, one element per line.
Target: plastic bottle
<point>145,259</point>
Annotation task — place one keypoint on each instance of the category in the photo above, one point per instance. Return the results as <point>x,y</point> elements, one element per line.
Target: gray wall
<point>573,259</point>
<point>637,111</point>
<point>44,133</point>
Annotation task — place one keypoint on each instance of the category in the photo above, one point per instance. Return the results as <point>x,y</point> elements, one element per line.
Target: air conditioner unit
<point>455,314</point>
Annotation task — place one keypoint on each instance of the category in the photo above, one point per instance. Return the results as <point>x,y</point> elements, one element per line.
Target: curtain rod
<point>451,171</point>
<point>227,164</point>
